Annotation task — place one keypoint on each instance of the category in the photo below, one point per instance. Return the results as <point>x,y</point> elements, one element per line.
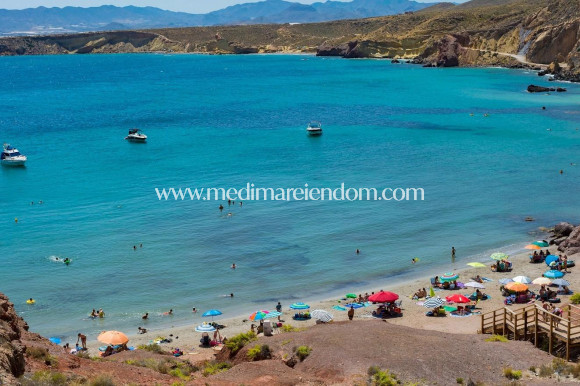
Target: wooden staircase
<point>530,321</point>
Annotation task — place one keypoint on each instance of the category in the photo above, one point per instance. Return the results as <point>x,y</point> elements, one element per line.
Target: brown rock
<point>12,362</point>
<point>571,245</point>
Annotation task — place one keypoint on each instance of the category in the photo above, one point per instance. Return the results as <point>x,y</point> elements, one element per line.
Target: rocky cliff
<point>510,33</point>
<point>12,362</point>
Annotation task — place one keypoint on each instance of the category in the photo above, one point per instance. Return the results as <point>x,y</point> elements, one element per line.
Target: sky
<point>191,6</point>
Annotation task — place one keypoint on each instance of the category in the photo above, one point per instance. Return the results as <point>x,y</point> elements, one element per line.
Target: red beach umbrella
<point>383,297</point>
<point>457,298</point>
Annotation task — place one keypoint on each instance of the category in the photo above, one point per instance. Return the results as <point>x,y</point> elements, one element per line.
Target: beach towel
<point>456,315</point>
<point>340,308</point>
<point>486,279</point>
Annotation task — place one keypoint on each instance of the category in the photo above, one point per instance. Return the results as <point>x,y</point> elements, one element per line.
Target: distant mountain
<point>42,20</point>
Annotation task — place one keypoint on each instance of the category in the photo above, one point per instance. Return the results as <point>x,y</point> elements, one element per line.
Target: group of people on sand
<point>97,314</point>
<point>502,266</point>
<point>446,284</point>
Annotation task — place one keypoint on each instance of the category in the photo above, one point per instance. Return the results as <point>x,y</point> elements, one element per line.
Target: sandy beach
<point>187,339</point>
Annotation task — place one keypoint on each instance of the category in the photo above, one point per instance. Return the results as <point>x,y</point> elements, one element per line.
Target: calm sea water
<point>227,120</point>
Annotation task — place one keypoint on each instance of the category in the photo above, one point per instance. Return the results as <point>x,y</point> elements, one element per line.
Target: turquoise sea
<point>224,121</point>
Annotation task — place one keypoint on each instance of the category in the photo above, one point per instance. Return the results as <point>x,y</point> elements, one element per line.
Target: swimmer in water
<point>414,260</point>
<point>230,214</point>
<point>357,251</point>
<point>232,295</point>
<point>16,220</point>
<point>134,247</point>
<point>561,171</point>
<point>170,312</point>
<point>233,265</point>
<point>194,310</point>
<point>572,164</point>
<point>144,317</point>
<point>241,203</point>
<point>221,207</point>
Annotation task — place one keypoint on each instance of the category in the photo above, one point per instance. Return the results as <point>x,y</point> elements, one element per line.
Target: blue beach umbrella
<point>212,313</point>
<point>299,306</point>
<point>550,259</point>
<point>553,274</point>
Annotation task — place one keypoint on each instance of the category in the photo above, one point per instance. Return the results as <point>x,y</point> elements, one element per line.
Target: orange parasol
<point>532,246</point>
<point>516,287</point>
<point>113,337</point>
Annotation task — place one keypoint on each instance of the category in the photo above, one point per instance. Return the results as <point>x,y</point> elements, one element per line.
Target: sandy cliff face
<point>12,362</point>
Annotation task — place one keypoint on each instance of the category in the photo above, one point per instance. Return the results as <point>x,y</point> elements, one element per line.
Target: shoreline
<point>184,335</point>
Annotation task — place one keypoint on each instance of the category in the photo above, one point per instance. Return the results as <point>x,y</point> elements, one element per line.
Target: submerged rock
<point>534,88</point>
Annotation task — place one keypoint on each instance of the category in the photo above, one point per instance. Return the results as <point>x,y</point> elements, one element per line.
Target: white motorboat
<point>314,128</point>
<point>135,135</point>
<point>12,157</point>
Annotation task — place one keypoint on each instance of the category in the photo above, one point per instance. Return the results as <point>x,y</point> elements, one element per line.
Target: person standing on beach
<point>351,313</point>
<point>83,339</point>
<point>452,253</point>
<point>279,309</point>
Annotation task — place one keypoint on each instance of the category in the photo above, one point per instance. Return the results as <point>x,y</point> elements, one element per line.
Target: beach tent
<point>522,279</point>
<point>541,243</point>
<point>553,274</point>
<point>550,259</point>
<point>383,297</point>
<point>205,327</point>
<point>431,292</point>
<point>113,337</point>
<point>323,316</point>
<point>299,306</point>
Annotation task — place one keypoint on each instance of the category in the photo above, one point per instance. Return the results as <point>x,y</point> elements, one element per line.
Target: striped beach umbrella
<point>299,306</point>
<point>260,315</point>
<point>474,284</point>
<point>205,327</point>
<point>322,315</point>
<point>541,243</point>
<point>499,256</point>
<point>449,276</point>
<point>553,274</point>
<point>522,279</point>
<point>433,302</point>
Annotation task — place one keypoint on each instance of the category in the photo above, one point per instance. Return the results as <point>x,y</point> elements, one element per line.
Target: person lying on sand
<point>478,279</point>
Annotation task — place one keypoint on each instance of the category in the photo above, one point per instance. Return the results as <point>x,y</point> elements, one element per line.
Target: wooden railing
<point>531,320</point>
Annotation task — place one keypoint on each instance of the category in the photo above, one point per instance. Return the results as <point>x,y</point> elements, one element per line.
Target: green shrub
<point>509,373</point>
<point>214,368</point>
<point>532,369</point>
<point>152,347</point>
<point>179,374</point>
<point>575,299</point>
<point>290,328</point>
<point>285,342</point>
<point>236,343</point>
<point>560,366</point>
<point>48,378</point>
<point>546,371</point>
<point>178,384</point>
<point>459,380</point>
<point>381,378</point>
<point>302,352</point>
<point>102,380</point>
<point>497,338</point>
<point>258,352</point>
<point>42,355</point>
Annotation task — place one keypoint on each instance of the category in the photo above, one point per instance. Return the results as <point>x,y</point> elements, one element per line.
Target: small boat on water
<point>135,135</point>
<point>314,128</point>
<point>12,157</point>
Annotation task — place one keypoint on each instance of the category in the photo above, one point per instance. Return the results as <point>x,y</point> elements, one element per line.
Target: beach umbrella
<point>474,284</point>
<point>499,256</point>
<point>351,296</point>
<point>211,313</point>
<point>113,337</point>
<point>260,315</point>
<point>553,274</point>
<point>516,287</point>
<point>477,265</point>
<point>541,243</point>
<point>541,281</point>
<point>433,302</point>
<point>457,298</point>
<point>205,327</point>
<point>505,281</point>
<point>522,279</point>
<point>54,340</point>
<point>449,276</point>
<point>299,306</point>
<point>560,282</point>
<point>323,316</point>
<point>383,297</point>
<point>550,259</point>
<point>532,246</point>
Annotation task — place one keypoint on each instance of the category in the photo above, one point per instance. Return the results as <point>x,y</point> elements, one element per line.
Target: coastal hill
<point>476,33</point>
<point>42,20</point>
